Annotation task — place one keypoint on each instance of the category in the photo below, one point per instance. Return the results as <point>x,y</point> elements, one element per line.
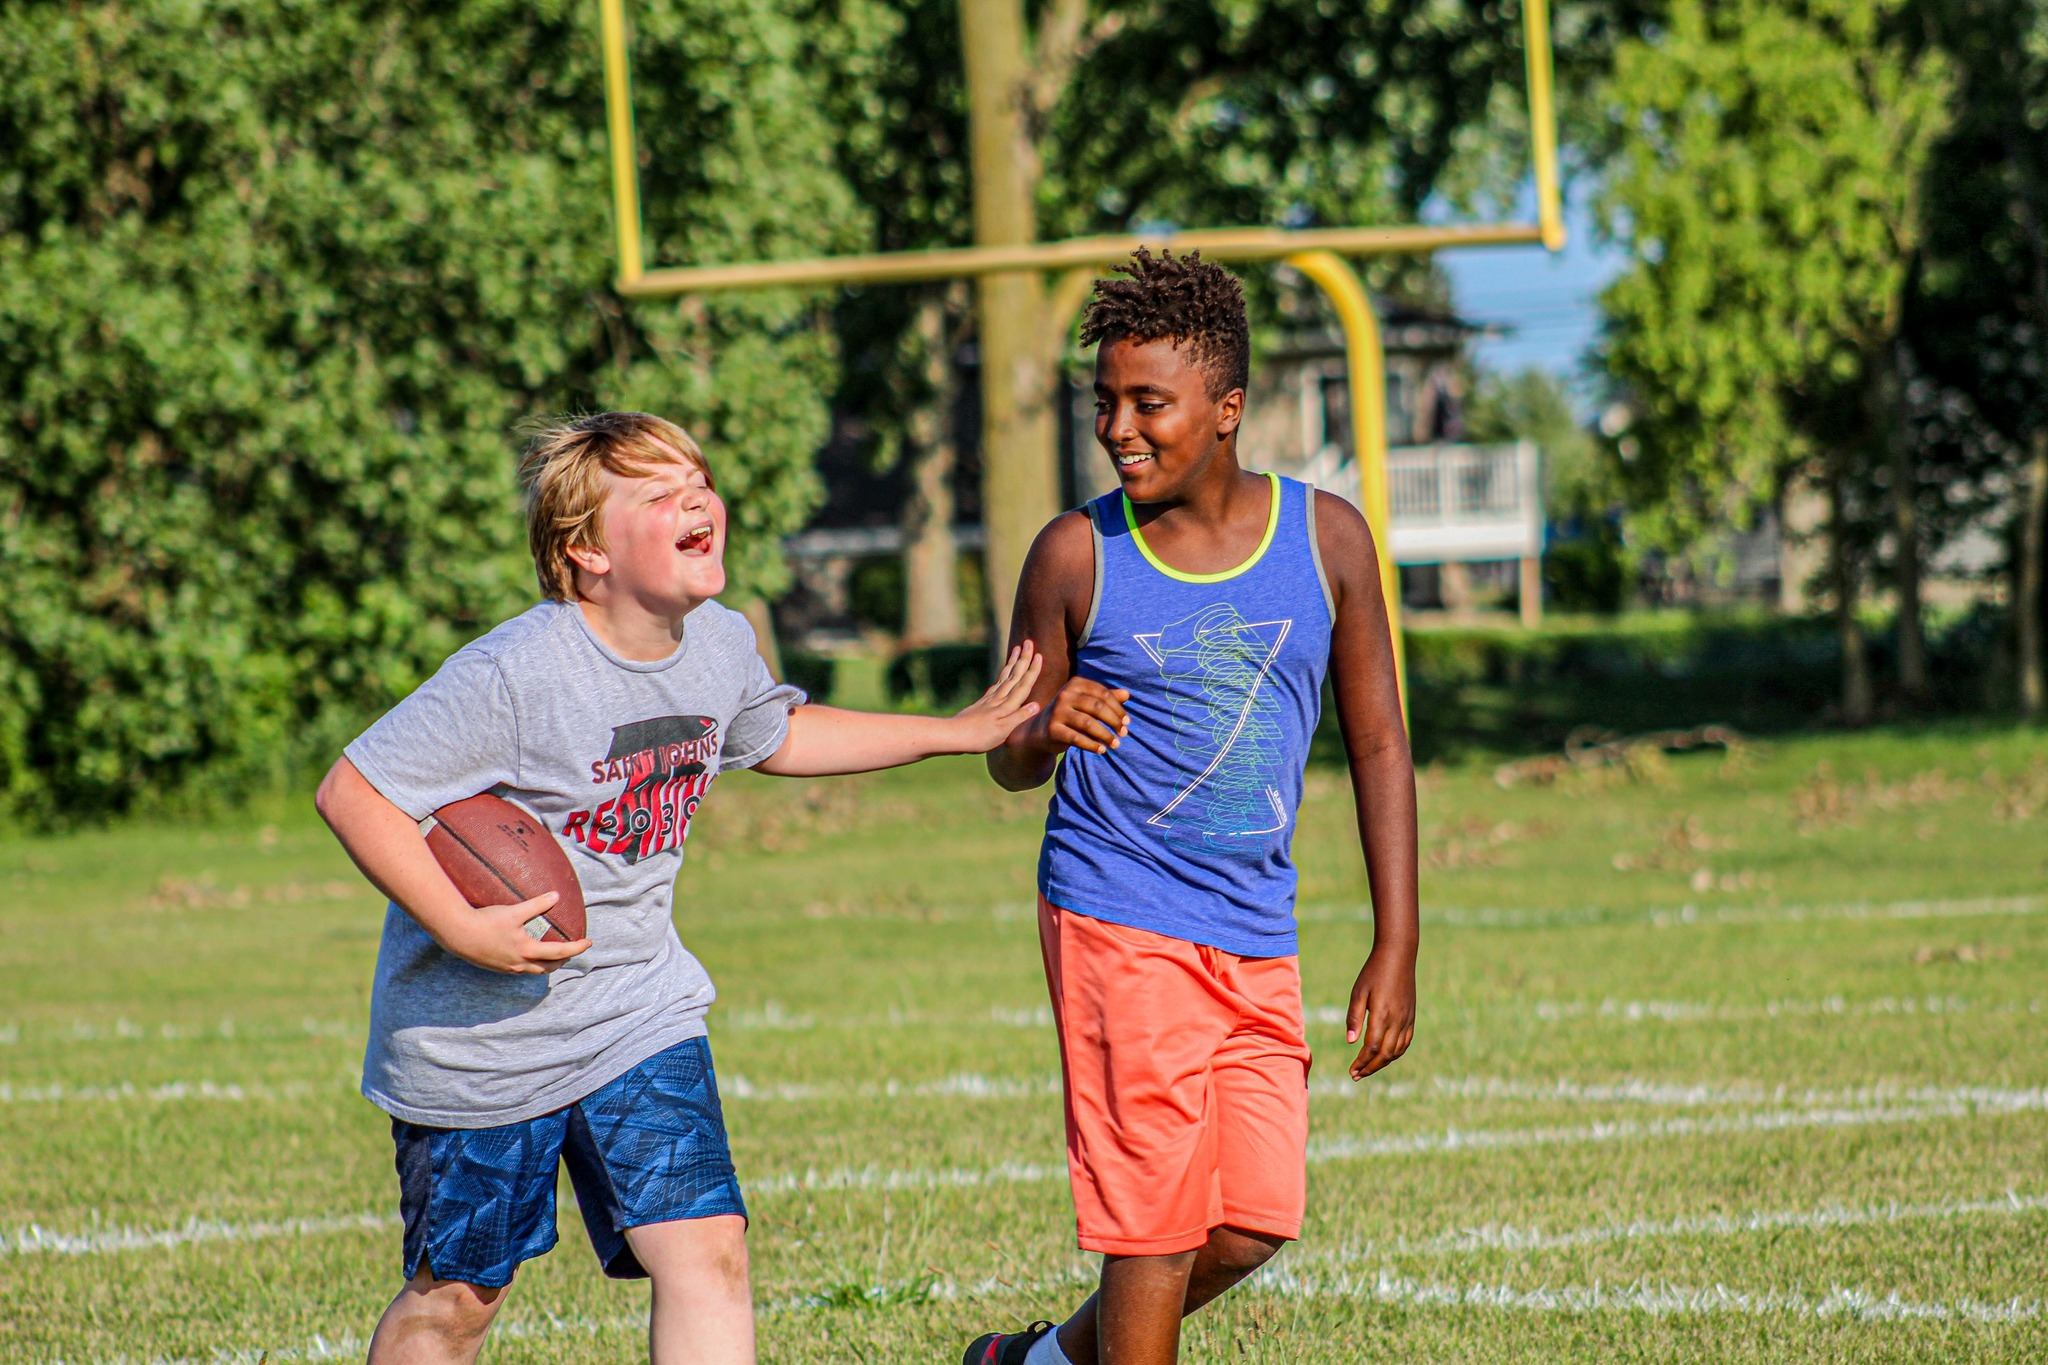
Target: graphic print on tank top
<point>1224,718</point>
<point>1186,829</point>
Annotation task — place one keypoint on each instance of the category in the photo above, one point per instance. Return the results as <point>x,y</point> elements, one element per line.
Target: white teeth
<point>1126,461</point>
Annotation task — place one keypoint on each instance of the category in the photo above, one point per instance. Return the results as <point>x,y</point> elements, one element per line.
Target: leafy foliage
<point>1767,187</point>
<point>1287,111</point>
<point>1977,312</point>
<point>277,279</point>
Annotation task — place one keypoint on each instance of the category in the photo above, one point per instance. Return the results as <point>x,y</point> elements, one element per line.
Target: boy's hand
<point>1088,715</point>
<point>1384,994</point>
<point>988,721</point>
<point>494,937</point>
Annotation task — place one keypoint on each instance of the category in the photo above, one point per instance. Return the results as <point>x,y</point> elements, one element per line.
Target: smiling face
<point>1155,417</point>
<point>664,540</point>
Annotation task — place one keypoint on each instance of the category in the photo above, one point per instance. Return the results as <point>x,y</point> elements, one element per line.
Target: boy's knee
<point>1240,1253</point>
<point>704,1254</point>
<point>457,1313</point>
<point>727,1261</point>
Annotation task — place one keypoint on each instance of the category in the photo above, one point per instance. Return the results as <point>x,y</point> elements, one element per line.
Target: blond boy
<point>607,710</point>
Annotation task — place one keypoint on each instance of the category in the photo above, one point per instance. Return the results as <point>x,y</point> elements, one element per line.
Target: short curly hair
<point>1182,299</point>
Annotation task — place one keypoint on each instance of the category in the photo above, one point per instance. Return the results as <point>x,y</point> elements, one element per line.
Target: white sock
<point>1046,1351</point>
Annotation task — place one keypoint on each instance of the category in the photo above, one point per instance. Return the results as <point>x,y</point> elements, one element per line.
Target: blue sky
<point>1547,300</point>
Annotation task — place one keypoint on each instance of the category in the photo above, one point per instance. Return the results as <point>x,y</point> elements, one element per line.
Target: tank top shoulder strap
<point>1306,520</point>
<point>1097,511</point>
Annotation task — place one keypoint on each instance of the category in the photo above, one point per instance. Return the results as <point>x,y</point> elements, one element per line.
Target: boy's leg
<point>435,1322</point>
<point>703,1301</point>
<point>476,1203</point>
<point>1131,1318</point>
<point>1250,1122</point>
<point>648,1156</point>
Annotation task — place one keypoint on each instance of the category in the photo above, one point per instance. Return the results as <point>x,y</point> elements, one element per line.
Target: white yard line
<point>1906,1107</point>
<point>1504,1237</point>
<point>34,1240</point>
<point>231,1092</point>
<point>958,1086</point>
<point>1658,1299</point>
<point>1457,1140</point>
<point>1289,1278</point>
<point>972,1087</point>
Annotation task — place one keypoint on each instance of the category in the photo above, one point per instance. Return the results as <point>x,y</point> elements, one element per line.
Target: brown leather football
<point>497,853</point>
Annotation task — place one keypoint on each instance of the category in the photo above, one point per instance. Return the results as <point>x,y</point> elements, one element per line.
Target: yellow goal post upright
<point>1318,253</point>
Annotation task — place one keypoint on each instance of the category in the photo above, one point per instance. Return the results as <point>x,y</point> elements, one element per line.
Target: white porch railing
<point>1451,502</point>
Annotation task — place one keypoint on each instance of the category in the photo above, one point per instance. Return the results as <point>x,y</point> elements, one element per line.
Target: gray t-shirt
<point>613,756</point>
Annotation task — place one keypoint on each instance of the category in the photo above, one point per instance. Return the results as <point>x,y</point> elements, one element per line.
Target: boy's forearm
<point>1026,761</point>
<point>386,846</point>
<point>825,741</point>
<point>1383,782</point>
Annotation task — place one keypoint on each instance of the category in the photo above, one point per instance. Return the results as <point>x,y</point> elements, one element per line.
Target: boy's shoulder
<point>540,625</point>
<point>540,641</point>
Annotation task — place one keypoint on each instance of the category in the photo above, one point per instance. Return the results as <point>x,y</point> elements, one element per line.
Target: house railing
<point>1451,502</point>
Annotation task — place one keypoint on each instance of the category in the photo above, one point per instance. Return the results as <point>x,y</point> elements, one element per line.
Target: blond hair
<point>563,475</point>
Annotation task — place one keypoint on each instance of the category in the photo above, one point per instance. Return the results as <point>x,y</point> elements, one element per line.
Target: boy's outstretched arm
<point>824,740</point>
<point>1382,781</point>
<point>1052,610</point>
<point>387,845</point>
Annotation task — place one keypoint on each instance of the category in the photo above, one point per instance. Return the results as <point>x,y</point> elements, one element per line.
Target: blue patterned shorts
<point>647,1148</point>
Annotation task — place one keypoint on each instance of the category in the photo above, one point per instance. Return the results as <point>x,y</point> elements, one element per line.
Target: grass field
<point>1719,1059</point>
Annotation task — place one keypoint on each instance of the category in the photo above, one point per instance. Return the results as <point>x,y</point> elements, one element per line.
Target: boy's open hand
<point>987,722</point>
<point>1089,716</point>
<point>494,937</point>
<point>1383,1005</point>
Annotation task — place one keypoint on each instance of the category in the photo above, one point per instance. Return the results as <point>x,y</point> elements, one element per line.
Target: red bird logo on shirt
<point>664,764</point>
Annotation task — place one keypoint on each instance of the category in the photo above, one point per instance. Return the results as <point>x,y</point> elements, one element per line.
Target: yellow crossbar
<point>901,267</point>
<point>1223,244</point>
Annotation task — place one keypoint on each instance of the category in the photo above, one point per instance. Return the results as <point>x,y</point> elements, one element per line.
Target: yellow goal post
<point>1318,253</point>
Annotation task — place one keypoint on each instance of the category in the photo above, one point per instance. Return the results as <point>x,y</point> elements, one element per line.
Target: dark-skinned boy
<point>1169,387</point>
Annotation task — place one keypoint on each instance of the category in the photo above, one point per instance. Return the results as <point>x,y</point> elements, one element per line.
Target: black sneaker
<point>1004,1348</point>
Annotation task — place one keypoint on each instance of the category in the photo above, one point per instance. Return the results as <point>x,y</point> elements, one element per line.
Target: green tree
<point>1978,313</point>
<point>278,278</point>
<point>1766,186</point>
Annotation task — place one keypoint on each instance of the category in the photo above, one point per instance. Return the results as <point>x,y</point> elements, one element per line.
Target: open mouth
<point>1134,459</point>
<point>696,540</point>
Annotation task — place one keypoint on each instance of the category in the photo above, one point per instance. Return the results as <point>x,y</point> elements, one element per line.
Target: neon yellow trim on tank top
<point>1272,525</point>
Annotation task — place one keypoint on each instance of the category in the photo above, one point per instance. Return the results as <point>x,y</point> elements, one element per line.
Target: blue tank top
<point>1186,828</point>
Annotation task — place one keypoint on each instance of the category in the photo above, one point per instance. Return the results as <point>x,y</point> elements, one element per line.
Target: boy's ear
<point>594,562</point>
<point>1229,412</point>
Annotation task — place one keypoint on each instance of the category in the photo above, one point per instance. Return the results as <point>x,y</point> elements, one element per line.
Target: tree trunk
<point>1019,438</point>
<point>1889,416</point>
<point>930,572</point>
<point>2033,562</point>
<point>758,616</point>
<point>1857,700</point>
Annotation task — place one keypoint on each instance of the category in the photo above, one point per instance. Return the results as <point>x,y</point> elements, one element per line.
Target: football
<point>497,853</point>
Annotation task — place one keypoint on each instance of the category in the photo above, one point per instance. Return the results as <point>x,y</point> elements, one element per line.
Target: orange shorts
<point>1186,1074</point>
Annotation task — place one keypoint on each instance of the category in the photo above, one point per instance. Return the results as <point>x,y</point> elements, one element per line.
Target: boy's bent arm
<point>824,740</point>
<point>387,846</point>
<point>1382,782</point>
<point>1053,598</point>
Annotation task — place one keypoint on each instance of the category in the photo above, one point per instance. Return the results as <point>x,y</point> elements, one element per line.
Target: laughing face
<point>1156,419</point>
<point>664,539</point>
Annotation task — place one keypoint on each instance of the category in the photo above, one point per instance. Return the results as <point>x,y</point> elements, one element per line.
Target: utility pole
<point>1019,480</point>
